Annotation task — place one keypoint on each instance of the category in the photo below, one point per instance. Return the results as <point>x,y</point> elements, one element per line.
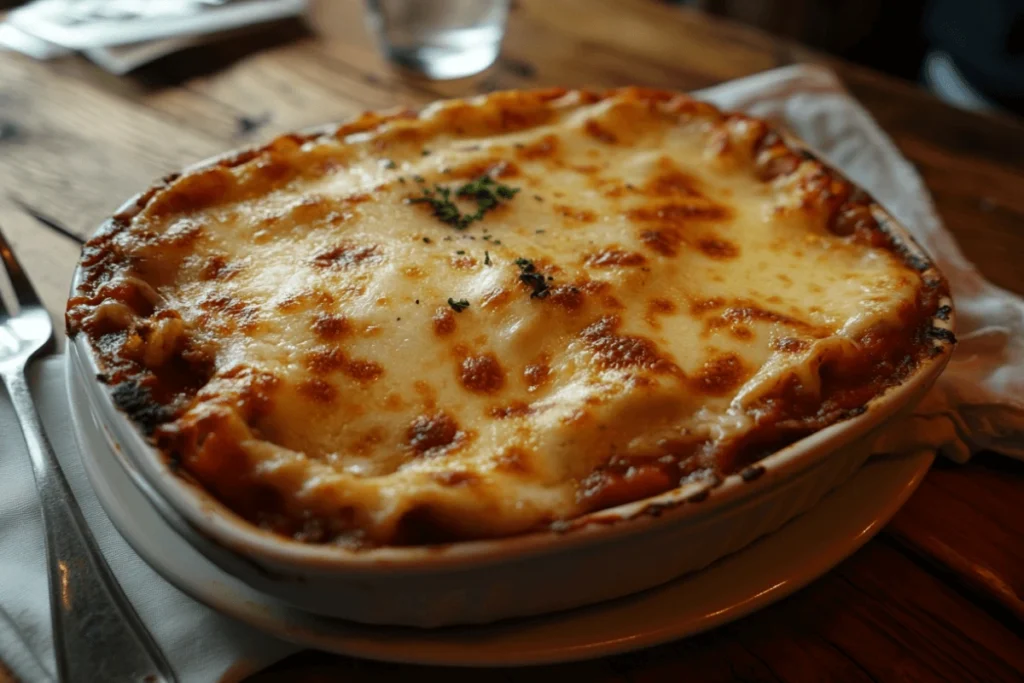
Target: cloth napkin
<point>975,404</point>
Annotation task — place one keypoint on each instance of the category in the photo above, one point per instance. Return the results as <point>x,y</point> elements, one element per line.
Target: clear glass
<point>441,39</point>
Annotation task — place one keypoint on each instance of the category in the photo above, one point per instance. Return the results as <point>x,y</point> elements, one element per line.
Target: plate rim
<point>421,646</point>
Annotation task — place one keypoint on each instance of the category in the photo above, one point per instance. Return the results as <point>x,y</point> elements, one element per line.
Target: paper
<point>121,35</point>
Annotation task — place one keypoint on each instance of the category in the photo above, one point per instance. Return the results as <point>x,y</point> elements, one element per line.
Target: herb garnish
<point>458,306</point>
<point>487,193</point>
<point>389,164</point>
<point>487,258</point>
<point>529,276</point>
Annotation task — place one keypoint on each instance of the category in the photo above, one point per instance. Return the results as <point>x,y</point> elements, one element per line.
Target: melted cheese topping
<point>283,319</point>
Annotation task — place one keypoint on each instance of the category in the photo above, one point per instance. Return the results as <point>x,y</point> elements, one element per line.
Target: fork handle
<point>97,635</point>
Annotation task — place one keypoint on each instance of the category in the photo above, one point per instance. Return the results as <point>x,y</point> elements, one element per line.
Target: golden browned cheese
<point>495,314</point>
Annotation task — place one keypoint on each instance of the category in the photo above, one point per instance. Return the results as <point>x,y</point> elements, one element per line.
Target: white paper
<point>89,24</point>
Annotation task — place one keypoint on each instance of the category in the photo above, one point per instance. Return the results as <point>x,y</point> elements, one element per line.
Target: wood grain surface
<point>939,595</point>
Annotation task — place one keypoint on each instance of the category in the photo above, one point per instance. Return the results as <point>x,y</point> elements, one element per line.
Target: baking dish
<point>636,545</point>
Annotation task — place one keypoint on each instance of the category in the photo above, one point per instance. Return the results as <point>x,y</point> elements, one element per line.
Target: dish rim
<point>187,505</point>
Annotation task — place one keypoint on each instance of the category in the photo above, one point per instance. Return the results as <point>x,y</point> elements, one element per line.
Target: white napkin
<point>978,402</point>
<point>200,644</point>
<point>974,406</point>
<point>122,35</point>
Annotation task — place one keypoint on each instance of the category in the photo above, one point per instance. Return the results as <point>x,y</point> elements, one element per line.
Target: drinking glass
<point>442,39</point>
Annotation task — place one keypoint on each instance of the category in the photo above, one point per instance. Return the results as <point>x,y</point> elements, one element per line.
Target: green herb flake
<point>461,252</point>
<point>487,193</point>
<point>390,165</point>
<point>529,276</point>
<point>487,258</point>
<point>458,306</point>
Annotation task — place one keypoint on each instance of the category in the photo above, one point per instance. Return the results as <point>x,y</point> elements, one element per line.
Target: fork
<point>97,635</point>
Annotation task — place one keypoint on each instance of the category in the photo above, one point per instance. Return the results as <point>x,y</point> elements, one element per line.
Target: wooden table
<point>938,595</point>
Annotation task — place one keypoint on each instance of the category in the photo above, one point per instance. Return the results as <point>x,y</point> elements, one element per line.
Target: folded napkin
<point>973,406</point>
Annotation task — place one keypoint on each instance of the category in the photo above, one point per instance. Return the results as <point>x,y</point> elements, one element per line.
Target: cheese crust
<point>496,314</point>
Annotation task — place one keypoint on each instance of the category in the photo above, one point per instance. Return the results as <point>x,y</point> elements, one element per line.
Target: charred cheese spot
<point>456,478</point>
<point>720,374</point>
<point>482,374</point>
<point>217,268</point>
<point>331,327</point>
<point>671,181</point>
<point>575,214</point>
<point>326,361</point>
<point>746,313</point>
<point>612,350</point>
<point>537,373</point>
<point>303,300</point>
<point>658,307</point>
<point>363,370</point>
<point>433,434</point>
<point>665,241</point>
<point>444,321</point>
<point>347,255</point>
<point>791,345</point>
<point>514,460</point>
<point>318,390</point>
<point>568,297</point>
<point>678,214</point>
<point>599,132</point>
<point>612,257</point>
<point>496,297</point>
<point>544,148</point>
<point>717,248</point>
<point>462,262</point>
<point>512,410</point>
<point>193,193</point>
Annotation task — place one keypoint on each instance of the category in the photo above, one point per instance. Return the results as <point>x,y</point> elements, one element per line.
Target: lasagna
<point>497,315</point>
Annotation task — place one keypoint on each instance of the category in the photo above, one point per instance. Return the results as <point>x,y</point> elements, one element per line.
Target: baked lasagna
<point>497,315</point>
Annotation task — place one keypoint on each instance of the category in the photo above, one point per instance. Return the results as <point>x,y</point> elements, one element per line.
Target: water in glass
<point>440,38</point>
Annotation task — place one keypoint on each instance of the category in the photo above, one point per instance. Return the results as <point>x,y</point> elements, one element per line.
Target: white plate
<point>762,573</point>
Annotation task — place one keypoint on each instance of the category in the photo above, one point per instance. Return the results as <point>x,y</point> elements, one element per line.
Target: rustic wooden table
<point>938,595</point>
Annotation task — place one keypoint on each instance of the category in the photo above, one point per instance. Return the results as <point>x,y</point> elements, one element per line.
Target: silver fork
<point>97,635</point>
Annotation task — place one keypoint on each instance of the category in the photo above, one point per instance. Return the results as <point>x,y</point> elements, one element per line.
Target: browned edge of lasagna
<point>496,315</point>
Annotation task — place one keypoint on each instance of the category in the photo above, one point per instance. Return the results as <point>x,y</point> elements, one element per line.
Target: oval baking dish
<point>608,552</point>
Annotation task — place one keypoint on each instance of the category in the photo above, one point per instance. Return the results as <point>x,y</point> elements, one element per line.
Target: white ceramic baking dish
<point>600,556</point>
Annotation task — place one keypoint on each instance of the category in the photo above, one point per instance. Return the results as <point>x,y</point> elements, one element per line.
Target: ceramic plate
<point>762,573</point>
